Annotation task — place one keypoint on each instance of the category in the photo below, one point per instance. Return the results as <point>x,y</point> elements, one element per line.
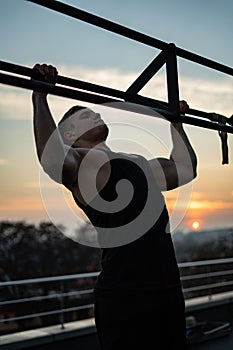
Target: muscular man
<point>138,296</point>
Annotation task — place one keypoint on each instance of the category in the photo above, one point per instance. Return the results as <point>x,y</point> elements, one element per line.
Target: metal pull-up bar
<point>98,94</point>
<point>167,56</point>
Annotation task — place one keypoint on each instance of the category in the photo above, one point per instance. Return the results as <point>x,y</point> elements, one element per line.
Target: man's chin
<point>103,129</point>
<point>98,132</point>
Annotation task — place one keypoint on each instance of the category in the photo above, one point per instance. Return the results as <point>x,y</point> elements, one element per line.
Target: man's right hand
<point>46,73</point>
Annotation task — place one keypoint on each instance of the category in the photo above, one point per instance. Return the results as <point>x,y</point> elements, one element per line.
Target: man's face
<point>86,124</point>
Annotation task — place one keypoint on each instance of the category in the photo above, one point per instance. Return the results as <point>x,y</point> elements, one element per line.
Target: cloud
<point>37,184</point>
<point>205,94</point>
<point>111,77</point>
<point>20,204</point>
<point>4,161</point>
<point>211,205</point>
<point>211,95</point>
<point>15,103</point>
<point>200,202</point>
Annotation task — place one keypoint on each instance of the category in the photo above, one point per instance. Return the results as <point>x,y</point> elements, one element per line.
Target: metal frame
<point>97,94</point>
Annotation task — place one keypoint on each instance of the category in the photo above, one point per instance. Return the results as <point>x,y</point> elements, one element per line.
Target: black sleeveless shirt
<point>143,258</point>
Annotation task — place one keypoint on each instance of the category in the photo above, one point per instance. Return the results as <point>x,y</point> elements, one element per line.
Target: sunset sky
<point>31,34</point>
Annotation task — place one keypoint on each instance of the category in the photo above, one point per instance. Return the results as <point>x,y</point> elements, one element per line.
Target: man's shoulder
<point>129,155</point>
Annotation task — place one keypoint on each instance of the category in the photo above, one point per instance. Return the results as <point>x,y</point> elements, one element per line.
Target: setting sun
<point>195,225</point>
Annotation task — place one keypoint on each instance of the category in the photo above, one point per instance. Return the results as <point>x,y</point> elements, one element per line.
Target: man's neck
<point>95,145</point>
<point>102,146</point>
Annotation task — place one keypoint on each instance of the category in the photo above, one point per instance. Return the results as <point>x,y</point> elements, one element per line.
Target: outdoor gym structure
<point>97,94</point>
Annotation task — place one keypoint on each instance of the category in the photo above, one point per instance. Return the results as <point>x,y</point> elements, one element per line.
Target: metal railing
<point>51,290</point>
<point>206,278</point>
<point>200,278</point>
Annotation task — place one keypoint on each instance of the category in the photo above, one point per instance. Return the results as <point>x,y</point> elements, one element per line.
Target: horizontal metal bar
<point>54,90</point>
<point>194,112</point>
<point>88,291</point>
<point>62,80</point>
<point>211,116</point>
<point>205,262</point>
<point>49,279</point>
<point>208,286</point>
<point>207,275</point>
<point>83,96</point>
<point>102,90</point>
<point>46,313</point>
<point>80,84</point>
<point>203,61</point>
<point>46,297</point>
<point>128,33</point>
<point>83,85</point>
<point>107,101</point>
<point>95,274</point>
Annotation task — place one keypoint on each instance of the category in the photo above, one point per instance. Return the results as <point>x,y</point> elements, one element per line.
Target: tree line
<point>31,251</point>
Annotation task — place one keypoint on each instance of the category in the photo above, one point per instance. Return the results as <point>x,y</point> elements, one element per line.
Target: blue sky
<point>31,34</point>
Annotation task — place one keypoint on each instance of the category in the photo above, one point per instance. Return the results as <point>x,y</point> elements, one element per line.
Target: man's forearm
<point>46,133</point>
<point>182,151</point>
<point>43,122</point>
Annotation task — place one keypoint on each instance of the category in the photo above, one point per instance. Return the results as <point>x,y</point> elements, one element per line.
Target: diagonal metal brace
<point>148,73</point>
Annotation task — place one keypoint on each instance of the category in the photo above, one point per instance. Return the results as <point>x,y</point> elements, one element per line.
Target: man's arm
<point>182,165</point>
<point>58,161</point>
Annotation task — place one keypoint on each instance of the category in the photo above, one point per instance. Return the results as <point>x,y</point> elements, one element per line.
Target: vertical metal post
<point>208,270</point>
<point>172,80</point>
<point>62,306</point>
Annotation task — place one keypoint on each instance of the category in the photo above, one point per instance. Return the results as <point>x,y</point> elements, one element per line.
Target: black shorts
<point>147,320</point>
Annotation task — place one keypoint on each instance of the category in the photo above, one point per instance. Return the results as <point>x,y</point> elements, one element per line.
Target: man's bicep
<point>165,173</point>
<point>86,173</point>
<point>70,167</point>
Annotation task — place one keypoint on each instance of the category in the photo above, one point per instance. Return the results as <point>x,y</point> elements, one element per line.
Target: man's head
<point>82,127</point>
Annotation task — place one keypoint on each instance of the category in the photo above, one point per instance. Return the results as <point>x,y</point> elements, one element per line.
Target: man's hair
<point>62,126</point>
